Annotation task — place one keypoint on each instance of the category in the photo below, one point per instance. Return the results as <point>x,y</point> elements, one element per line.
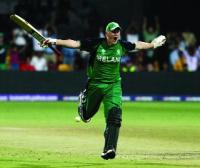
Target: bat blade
<point>31,30</point>
<point>27,27</point>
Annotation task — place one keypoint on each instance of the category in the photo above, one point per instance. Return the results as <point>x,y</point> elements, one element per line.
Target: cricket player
<point>104,82</point>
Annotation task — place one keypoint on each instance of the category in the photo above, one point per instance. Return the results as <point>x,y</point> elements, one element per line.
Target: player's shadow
<point>79,164</point>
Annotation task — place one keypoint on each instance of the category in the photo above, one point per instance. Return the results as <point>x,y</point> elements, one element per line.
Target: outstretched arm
<point>65,43</point>
<point>157,42</point>
<point>140,45</point>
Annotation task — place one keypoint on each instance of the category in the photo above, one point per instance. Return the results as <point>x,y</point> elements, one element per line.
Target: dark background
<point>175,15</point>
<point>144,83</point>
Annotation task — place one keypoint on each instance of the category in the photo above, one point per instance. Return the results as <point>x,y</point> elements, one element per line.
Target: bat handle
<point>57,52</point>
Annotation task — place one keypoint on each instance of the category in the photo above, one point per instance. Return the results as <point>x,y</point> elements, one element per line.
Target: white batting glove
<point>48,41</point>
<point>159,41</point>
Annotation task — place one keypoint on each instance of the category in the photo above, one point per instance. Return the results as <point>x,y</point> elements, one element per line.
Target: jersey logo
<point>102,51</point>
<point>108,59</point>
<point>118,52</point>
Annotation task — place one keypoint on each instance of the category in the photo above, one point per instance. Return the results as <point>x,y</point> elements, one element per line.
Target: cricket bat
<point>31,30</point>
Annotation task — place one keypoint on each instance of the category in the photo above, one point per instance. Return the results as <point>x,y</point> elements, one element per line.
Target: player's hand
<point>159,41</point>
<point>48,41</point>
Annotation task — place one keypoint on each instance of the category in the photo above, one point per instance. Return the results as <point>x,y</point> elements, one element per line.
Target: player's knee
<point>115,116</point>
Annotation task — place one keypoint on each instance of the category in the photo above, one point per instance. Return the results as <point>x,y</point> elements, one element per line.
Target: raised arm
<point>65,43</point>
<point>157,42</point>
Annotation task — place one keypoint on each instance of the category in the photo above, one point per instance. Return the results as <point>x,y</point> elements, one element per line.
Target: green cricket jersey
<point>104,62</point>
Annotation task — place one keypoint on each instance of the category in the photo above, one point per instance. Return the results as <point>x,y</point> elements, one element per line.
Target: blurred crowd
<point>21,52</point>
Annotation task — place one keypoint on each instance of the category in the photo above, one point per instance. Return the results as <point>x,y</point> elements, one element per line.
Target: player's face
<point>113,36</point>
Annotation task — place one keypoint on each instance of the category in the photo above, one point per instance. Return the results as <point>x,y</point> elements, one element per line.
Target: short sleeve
<point>89,44</point>
<point>128,46</point>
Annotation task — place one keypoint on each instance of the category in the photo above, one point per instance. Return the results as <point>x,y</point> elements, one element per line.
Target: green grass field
<point>45,135</point>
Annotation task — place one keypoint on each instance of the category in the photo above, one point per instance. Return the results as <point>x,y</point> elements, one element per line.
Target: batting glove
<point>48,41</point>
<point>159,41</point>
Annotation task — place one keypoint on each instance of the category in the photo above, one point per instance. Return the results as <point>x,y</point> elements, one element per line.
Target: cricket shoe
<point>82,102</point>
<point>109,154</point>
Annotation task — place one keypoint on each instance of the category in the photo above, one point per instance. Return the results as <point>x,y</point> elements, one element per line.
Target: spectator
<point>192,56</point>
<point>175,45</point>
<point>177,60</point>
<point>39,62</point>
<point>150,32</point>
<point>3,52</point>
<point>25,66</point>
<point>189,38</point>
<point>132,33</point>
<point>128,60</point>
<point>81,60</point>
<point>69,56</point>
<point>14,57</point>
<point>49,54</point>
<point>139,62</point>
